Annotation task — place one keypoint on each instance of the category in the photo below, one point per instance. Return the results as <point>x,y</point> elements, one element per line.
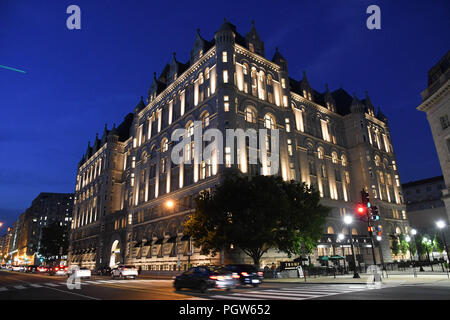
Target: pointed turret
<point>279,59</point>
<point>328,99</point>
<point>381,116</point>
<point>199,48</point>
<point>368,103</point>
<point>140,105</point>
<point>254,43</point>
<point>357,106</point>
<point>156,88</point>
<point>105,134</point>
<point>88,151</point>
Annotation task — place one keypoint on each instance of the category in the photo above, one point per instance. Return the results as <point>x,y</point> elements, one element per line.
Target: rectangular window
<point>224,56</point>
<point>325,134</point>
<point>444,122</point>
<point>288,125</point>
<point>226,104</point>
<point>227,157</point>
<point>132,179</point>
<point>285,101</point>
<point>225,76</point>
<point>133,162</point>
<point>289,143</point>
<point>283,83</point>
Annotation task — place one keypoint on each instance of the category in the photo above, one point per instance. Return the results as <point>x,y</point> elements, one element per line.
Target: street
<point>18,286</point>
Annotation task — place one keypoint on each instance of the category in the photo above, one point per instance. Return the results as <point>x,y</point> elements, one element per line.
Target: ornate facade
<point>331,140</point>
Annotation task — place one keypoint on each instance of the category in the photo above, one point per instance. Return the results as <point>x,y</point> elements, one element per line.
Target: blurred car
<point>57,270</point>
<point>247,274</point>
<point>104,271</point>
<point>17,268</point>
<point>42,269</point>
<point>31,269</point>
<point>79,272</point>
<point>204,278</point>
<point>124,271</point>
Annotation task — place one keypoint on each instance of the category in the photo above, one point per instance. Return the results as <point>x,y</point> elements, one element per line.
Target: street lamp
<point>170,204</point>
<point>348,221</point>
<point>441,225</point>
<point>408,239</point>
<point>427,243</point>
<point>341,237</point>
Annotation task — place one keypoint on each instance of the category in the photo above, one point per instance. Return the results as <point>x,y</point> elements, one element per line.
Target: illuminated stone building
<point>331,140</point>
<point>436,105</point>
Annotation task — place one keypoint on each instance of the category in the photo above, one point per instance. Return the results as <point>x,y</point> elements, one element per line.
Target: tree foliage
<point>395,247</point>
<point>255,214</point>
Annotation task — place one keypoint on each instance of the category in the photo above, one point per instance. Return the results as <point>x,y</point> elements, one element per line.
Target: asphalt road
<point>18,286</point>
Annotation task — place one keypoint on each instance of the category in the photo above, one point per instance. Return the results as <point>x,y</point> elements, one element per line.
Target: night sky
<point>78,80</point>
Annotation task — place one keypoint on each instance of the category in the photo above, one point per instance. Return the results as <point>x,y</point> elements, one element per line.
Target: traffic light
<point>374,213</point>
<point>361,209</point>
<point>379,231</point>
<point>365,198</point>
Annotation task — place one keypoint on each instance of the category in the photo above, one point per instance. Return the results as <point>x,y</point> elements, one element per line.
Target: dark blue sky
<point>77,81</point>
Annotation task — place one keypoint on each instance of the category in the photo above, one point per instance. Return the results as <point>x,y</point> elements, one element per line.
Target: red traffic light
<point>361,209</point>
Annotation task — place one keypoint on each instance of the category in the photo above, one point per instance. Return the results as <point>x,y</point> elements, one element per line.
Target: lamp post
<point>341,237</point>
<point>348,221</point>
<point>413,233</point>
<point>427,243</point>
<point>170,204</point>
<point>408,239</point>
<point>441,225</point>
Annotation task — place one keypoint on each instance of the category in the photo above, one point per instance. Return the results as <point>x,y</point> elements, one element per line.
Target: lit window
<point>288,126</point>
<point>190,129</point>
<point>289,143</point>
<point>334,157</point>
<point>250,115</point>
<point>205,120</point>
<point>320,153</point>
<point>225,76</point>
<point>283,83</point>
<point>133,162</point>
<point>344,160</point>
<point>165,145</point>
<point>132,179</point>
<point>224,56</point>
<point>226,104</point>
<point>269,122</point>
<point>227,157</point>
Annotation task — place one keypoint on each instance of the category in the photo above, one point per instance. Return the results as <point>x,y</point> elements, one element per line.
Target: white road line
<point>284,293</point>
<point>322,292</point>
<point>19,287</point>
<point>265,296</point>
<point>3,289</point>
<point>50,284</point>
<point>35,285</point>
<point>232,297</point>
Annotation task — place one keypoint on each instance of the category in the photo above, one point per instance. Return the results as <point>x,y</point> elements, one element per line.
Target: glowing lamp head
<point>348,219</point>
<point>440,224</point>
<point>378,238</point>
<point>341,236</point>
<point>413,232</point>
<point>170,204</point>
<point>407,238</point>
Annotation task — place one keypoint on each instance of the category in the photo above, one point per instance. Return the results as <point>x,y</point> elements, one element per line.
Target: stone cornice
<point>322,109</point>
<point>426,105</point>
<point>179,80</point>
<point>257,58</point>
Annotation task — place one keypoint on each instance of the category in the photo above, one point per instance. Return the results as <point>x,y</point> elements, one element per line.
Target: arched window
<point>398,231</point>
<point>200,78</point>
<point>269,121</point>
<point>245,68</point>
<point>207,73</point>
<point>269,80</point>
<point>164,145</point>
<point>250,115</point>
<point>344,160</point>
<point>330,230</point>
<point>354,232</point>
<point>377,160</point>
<point>205,119</point>
<point>190,128</point>
<point>320,153</point>
<point>334,157</point>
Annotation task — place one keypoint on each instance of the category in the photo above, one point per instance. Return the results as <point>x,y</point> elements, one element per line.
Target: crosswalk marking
<point>50,284</point>
<point>35,285</point>
<point>19,287</point>
<point>3,289</point>
<point>292,293</point>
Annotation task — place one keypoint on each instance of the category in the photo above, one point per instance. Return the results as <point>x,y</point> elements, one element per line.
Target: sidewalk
<point>348,279</point>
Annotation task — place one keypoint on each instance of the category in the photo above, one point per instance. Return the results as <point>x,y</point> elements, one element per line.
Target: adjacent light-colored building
<point>436,104</point>
<point>424,205</point>
<point>331,140</point>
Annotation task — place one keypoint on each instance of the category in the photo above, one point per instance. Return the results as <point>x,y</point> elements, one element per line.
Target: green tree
<point>438,244</point>
<point>413,247</point>
<point>395,247</point>
<point>255,214</point>
<point>54,241</point>
<point>305,220</point>
<point>404,245</point>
